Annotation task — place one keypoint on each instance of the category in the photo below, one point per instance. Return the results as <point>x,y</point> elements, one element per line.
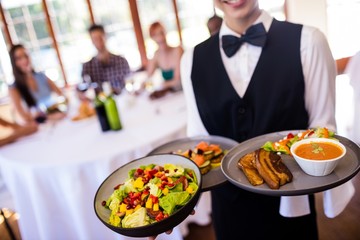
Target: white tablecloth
<point>53,175</point>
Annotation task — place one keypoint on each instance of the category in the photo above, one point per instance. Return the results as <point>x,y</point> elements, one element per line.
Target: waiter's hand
<point>170,231</point>
<point>154,237</point>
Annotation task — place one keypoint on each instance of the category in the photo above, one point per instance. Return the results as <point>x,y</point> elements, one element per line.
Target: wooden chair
<point>8,220</point>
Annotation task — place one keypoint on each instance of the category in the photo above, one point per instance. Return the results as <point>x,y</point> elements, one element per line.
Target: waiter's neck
<point>240,25</point>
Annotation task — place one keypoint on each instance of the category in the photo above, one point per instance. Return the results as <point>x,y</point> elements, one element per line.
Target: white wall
<point>308,12</point>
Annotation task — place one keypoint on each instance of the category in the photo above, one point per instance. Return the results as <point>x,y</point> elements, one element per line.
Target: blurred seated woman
<point>166,58</point>
<point>18,131</point>
<point>34,88</point>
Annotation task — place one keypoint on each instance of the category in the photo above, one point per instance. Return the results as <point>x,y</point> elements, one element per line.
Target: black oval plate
<point>302,183</point>
<point>211,179</point>
<point>120,175</point>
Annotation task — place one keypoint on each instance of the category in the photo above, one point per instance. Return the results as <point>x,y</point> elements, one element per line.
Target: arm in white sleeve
<point>195,127</point>
<point>319,70</point>
<point>353,70</point>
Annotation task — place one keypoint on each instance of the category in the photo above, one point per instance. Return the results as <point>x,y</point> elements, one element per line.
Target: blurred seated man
<point>105,66</point>
<point>214,24</point>
<point>167,59</point>
<point>17,131</point>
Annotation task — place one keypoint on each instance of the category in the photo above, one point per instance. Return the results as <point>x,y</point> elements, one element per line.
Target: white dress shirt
<point>319,71</point>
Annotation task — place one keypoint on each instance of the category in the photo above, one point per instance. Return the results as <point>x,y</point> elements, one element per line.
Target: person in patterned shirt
<point>105,66</point>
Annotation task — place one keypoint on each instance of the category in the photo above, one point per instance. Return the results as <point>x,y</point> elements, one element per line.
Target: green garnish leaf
<point>317,149</point>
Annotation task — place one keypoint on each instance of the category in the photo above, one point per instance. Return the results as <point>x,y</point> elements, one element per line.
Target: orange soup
<point>318,150</point>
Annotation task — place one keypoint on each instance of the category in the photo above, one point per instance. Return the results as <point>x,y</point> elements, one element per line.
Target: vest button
<point>242,110</point>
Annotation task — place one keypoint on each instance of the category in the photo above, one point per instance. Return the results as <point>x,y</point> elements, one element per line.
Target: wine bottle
<point>111,108</point>
<point>101,112</point>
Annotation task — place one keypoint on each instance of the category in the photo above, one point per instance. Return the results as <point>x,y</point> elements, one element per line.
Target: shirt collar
<point>111,61</point>
<point>264,17</point>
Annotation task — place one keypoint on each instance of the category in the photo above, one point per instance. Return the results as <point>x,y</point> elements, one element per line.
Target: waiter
<point>256,76</point>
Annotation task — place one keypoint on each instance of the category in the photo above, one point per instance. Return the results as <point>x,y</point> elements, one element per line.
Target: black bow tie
<point>255,35</point>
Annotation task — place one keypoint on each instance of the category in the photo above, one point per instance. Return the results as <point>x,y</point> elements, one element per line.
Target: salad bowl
<point>105,192</point>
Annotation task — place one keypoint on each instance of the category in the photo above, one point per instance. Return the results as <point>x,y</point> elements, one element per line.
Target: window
<point>116,18</point>
<point>27,25</point>
<point>193,17</point>
<point>3,81</point>
<point>343,24</point>
<point>162,11</point>
<point>5,68</point>
<point>70,20</point>
<point>274,7</point>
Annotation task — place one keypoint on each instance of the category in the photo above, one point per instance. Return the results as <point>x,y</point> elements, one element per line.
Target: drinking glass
<point>129,84</point>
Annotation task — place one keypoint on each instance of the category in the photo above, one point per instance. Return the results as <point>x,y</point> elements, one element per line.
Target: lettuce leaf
<point>173,199</point>
<point>171,170</point>
<point>128,186</point>
<point>194,186</point>
<point>114,220</point>
<point>268,146</point>
<point>118,194</point>
<point>136,219</point>
<point>154,189</point>
<point>131,173</point>
<point>177,188</point>
<point>189,173</point>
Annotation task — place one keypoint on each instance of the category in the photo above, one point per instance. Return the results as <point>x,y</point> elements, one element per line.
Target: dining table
<point>53,175</point>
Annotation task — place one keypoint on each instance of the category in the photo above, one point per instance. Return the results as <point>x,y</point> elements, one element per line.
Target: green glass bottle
<point>99,103</point>
<point>111,109</point>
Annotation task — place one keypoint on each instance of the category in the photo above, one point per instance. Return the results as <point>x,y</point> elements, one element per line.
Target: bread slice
<point>246,164</point>
<point>272,169</point>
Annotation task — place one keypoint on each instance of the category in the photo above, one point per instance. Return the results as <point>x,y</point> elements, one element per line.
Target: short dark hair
<point>215,18</point>
<point>96,27</point>
<point>214,24</point>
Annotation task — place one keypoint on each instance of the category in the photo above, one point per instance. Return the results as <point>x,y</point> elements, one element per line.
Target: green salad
<point>150,194</point>
<point>284,145</point>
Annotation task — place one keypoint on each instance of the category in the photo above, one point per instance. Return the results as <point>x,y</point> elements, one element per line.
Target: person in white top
<point>353,71</point>
<point>285,81</point>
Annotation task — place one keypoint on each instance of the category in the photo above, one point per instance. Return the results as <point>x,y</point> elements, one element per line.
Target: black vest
<point>274,99</point>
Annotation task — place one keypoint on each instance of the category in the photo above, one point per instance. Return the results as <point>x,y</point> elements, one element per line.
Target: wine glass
<point>130,88</point>
<point>129,84</point>
<point>149,86</point>
<point>39,113</point>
